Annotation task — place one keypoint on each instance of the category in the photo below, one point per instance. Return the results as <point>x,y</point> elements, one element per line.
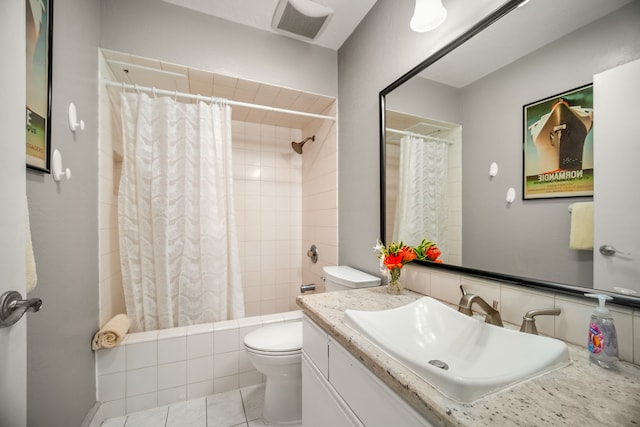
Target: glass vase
<point>395,285</point>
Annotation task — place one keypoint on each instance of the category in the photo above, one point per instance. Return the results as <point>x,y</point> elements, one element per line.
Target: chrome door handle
<point>13,307</point>
<point>608,250</point>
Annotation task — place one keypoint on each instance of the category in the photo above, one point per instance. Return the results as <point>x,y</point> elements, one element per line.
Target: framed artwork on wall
<point>558,145</point>
<point>39,20</point>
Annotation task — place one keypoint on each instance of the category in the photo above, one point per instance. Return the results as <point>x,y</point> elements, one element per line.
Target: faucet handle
<point>462,290</point>
<point>529,322</point>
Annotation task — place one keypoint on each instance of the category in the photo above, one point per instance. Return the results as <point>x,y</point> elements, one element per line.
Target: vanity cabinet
<point>338,390</point>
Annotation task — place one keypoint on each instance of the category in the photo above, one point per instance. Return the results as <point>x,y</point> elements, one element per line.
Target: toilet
<point>276,350</point>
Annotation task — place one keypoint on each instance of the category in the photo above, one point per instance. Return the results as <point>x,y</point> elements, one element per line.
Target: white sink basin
<point>480,358</point>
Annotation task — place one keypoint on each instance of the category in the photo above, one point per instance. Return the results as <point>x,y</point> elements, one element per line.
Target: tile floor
<point>242,408</point>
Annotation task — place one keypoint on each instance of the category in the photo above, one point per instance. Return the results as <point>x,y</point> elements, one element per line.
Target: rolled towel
<point>112,333</point>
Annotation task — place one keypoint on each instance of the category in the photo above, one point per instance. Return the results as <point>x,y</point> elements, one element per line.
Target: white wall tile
<point>248,378</point>
<point>142,355</point>
<point>225,341</point>
<point>225,364</point>
<point>111,360</point>
<point>199,345</point>
<point>172,395</point>
<point>141,337</point>
<point>142,402</point>
<point>172,375</point>
<point>114,408</point>
<point>446,287</point>
<point>200,369</point>
<point>180,331</point>
<point>221,385</point>
<point>623,320</point>
<point>141,381</point>
<point>573,324</point>
<point>517,302</point>
<point>199,389</point>
<point>172,349</point>
<point>199,329</point>
<point>111,386</point>
<point>487,291</point>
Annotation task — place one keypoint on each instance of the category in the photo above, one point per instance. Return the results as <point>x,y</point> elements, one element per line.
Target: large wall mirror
<point>454,131</point>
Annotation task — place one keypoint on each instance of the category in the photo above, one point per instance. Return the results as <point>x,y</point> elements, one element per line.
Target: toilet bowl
<point>275,351</point>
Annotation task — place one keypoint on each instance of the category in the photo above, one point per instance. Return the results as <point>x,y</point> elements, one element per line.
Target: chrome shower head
<point>297,146</point>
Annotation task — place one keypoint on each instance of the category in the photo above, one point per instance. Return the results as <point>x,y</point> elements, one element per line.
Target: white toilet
<point>275,351</point>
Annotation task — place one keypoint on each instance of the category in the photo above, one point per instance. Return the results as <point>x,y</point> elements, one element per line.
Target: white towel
<point>32,276</point>
<point>112,333</point>
<point>581,236</point>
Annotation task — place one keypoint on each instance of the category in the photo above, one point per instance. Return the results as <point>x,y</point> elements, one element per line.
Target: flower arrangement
<point>395,255</point>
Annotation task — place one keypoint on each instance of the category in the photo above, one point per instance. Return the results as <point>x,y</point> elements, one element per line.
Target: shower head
<point>297,146</point>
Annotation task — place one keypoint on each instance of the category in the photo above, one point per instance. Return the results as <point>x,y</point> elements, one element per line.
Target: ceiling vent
<point>301,19</point>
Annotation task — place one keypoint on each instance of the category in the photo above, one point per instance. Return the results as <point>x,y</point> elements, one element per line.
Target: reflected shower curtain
<point>178,245</point>
<point>420,207</point>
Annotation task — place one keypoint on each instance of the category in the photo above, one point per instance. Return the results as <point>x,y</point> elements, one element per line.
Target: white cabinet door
<point>616,96</point>
<point>315,343</point>
<point>373,402</point>
<point>321,406</point>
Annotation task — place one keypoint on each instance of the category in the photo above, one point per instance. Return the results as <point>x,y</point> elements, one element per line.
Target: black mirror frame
<point>505,9</point>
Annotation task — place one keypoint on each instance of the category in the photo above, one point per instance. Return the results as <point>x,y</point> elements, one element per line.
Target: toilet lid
<point>279,337</point>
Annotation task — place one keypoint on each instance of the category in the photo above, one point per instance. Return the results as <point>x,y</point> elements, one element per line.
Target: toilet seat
<point>282,339</point>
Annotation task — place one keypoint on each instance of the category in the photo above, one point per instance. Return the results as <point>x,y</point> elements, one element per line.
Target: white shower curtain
<point>178,245</point>
<point>421,203</point>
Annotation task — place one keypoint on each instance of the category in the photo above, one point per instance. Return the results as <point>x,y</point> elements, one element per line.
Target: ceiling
<point>538,23</point>
<point>259,14</point>
<point>152,73</point>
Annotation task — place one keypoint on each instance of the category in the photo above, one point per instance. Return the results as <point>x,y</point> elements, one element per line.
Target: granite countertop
<point>578,394</point>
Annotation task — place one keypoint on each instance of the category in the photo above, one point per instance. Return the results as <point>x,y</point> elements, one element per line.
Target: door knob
<point>13,307</point>
<point>608,250</point>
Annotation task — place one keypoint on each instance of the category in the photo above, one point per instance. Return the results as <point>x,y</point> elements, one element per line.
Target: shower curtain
<point>421,203</point>
<point>178,245</point>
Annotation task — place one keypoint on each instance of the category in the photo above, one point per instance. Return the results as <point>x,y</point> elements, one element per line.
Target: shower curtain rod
<point>418,135</point>
<point>204,98</point>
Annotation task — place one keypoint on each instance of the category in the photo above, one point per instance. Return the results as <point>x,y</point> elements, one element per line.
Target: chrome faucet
<point>467,301</point>
<point>529,320</point>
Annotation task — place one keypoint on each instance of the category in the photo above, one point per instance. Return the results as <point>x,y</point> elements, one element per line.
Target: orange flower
<point>393,261</point>
<point>433,253</point>
<point>408,254</point>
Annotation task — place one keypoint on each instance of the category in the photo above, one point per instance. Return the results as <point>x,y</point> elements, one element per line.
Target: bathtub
<point>157,368</point>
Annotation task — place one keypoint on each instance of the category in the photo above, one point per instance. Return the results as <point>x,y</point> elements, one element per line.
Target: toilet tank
<point>343,277</point>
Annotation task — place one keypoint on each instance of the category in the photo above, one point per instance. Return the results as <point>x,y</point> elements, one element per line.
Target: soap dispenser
<point>603,339</point>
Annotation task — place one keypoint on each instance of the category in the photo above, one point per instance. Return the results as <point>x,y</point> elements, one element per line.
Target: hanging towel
<point>112,333</point>
<point>581,237</point>
<point>32,276</point>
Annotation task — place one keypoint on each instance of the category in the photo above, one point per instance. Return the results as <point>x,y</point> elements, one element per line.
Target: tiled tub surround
<point>158,368</point>
<point>578,394</point>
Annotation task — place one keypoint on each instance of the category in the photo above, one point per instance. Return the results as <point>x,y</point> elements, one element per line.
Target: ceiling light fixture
<point>428,15</point>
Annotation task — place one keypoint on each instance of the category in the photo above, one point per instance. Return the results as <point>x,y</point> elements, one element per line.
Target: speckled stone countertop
<point>580,394</point>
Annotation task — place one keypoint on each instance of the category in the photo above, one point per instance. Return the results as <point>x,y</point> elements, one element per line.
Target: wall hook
<point>73,118</point>
<point>56,167</point>
<point>493,169</point>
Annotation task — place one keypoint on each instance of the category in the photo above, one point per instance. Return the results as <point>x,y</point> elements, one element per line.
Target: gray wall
<point>531,238</point>
<point>162,31</point>
<point>64,221</point>
<point>380,50</point>
<point>426,98</point>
